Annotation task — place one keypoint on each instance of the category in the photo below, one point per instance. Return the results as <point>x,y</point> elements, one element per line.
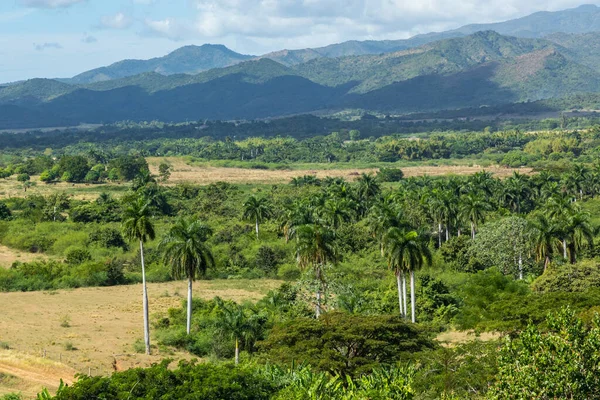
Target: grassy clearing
<point>104,324</point>
<point>8,256</point>
<point>184,170</point>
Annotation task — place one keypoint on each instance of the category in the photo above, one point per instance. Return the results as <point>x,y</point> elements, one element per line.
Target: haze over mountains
<point>545,55</point>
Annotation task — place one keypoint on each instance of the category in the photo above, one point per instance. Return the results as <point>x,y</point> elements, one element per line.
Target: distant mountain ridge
<point>484,68</point>
<point>195,59</point>
<point>185,60</point>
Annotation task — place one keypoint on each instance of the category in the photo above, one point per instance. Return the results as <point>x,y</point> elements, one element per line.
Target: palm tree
<point>545,238</point>
<point>472,209</point>
<point>579,230</point>
<point>184,248</point>
<point>368,190</point>
<point>559,208</point>
<point>257,210</point>
<point>233,321</point>
<point>315,248</point>
<point>337,211</point>
<point>406,251</point>
<point>137,225</point>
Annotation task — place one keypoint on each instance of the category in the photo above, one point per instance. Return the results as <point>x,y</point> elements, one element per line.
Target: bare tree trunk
<point>398,281</point>
<point>256,228</point>
<point>237,351</point>
<point>189,306</point>
<point>439,235</point>
<point>546,262</point>
<point>459,232</point>
<point>412,296</point>
<point>564,243</point>
<point>520,266</point>
<point>447,233</point>
<point>145,301</point>
<point>472,230</point>
<point>318,310</point>
<point>404,294</point>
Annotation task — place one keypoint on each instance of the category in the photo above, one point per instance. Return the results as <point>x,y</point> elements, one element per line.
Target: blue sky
<point>61,38</point>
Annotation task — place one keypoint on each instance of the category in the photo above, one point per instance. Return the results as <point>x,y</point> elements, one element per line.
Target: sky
<point>61,38</point>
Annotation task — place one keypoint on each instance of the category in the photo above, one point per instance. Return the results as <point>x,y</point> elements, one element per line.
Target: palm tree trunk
<point>237,351</point>
<point>564,243</point>
<point>256,228</point>
<point>145,301</point>
<point>520,266</point>
<point>398,281</point>
<point>472,230</point>
<point>546,262</point>
<point>412,296</point>
<point>439,235</point>
<point>459,232</point>
<point>318,310</point>
<point>404,295</point>
<point>189,306</point>
<point>447,233</point>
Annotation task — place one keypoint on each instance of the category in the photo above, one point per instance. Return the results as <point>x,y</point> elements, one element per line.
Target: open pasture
<point>92,330</point>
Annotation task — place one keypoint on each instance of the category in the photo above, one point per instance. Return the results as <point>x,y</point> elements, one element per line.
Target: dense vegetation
<point>375,269</point>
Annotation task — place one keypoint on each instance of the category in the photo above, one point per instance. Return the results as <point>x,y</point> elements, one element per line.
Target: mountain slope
<point>185,60</point>
<point>583,19</point>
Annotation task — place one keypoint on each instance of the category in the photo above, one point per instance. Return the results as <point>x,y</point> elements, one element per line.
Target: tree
<point>315,248</point>
<point>257,210</point>
<point>344,344</point>
<point>239,322</point>
<point>368,190</point>
<point>561,363</point>
<point>5,213</point>
<point>164,170</point>
<point>545,237</point>
<point>406,251</point>
<point>337,211</point>
<point>137,225</point>
<point>472,209</point>
<point>185,249</point>
<point>579,230</point>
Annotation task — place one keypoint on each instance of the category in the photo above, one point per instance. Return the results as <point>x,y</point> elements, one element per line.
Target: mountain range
<point>541,56</point>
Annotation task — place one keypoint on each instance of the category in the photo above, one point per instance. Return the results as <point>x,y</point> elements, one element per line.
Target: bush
<point>78,256</point>
<point>189,381</point>
<point>561,363</point>
<point>390,175</point>
<point>569,278</point>
<point>23,177</point>
<point>5,213</point>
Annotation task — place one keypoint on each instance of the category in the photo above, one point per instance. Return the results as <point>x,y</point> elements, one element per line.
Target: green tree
<point>315,248</point>
<point>472,209</point>
<point>546,237</point>
<point>137,225</point>
<point>164,171</point>
<point>257,210</point>
<point>561,363</point>
<point>406,251</point>
<point>185,249</point>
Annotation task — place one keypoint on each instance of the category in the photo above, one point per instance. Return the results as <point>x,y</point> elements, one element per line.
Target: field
<point>204,174</point>
<point>9,256</point>
<point>91,330</point>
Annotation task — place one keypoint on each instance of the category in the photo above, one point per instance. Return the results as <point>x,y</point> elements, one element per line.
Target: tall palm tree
<point>406,251</point>
<point>559,208</point>
<point>315,248</point>
<point>368,190</point>
<point>137,225</point>
<point>472,209</point>
<point>337,211</point>
<point>579,231</point>
<point>185,249</point>
<point>257,210</point>
<point>546,237</point>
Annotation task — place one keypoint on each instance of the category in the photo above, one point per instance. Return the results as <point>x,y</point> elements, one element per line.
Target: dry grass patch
<point>27,374</point>
<point>452,338</point>
<point>8,256</point>
<point>183,172</point>
<point>104,323</point>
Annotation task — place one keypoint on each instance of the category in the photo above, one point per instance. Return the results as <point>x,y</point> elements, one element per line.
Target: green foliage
<point>23,177</point>
<point>569,277</point>
<point>189,381</point>
<point>343,344</point>
<point>78,256</point>
<point>5,213</point>
<point>562,362</point>
<point>390,175</point>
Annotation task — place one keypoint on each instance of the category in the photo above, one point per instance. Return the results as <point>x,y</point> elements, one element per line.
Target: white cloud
<point>49,3</point>
<point>116,21</point>
<point>297,23</point>
<point>44,46</point>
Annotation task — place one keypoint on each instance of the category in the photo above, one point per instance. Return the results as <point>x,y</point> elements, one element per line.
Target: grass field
<point>184,171</point>
<point>8,256</point>
<point>92,329</point>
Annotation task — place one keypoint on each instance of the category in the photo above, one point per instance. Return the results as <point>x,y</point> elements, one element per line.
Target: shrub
<point>561,363</point>
<point>390,175</point>
<point>5,213</point>
<point>569,278</point>
<point>78,256</point>
<point>23,177</point>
